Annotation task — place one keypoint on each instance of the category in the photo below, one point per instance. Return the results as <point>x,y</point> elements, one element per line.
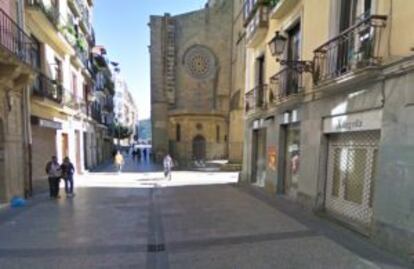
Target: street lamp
<point>277,47</point>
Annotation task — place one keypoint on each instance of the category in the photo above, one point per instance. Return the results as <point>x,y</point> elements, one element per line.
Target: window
<point>36,53</point>
<point>58,71</point>
<point>85,91</point>
<point>218,133</point>
<point>74,85</point>
<point>178,132</point>
<point>293,54</point>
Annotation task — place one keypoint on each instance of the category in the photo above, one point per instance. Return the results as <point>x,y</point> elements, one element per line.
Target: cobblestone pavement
<point>139,220</point>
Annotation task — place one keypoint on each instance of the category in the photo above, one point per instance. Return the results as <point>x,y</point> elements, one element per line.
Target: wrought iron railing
<point>44,86</point>
<point>285,84</point>
<point>51,12</point>
<point>14,39</point>
<point>353,49</point>
<point>256,98</point>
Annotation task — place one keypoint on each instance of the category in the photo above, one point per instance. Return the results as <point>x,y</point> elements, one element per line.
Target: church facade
<point>192,82</point>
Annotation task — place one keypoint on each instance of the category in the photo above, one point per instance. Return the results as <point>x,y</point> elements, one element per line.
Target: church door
<point>199,148</point>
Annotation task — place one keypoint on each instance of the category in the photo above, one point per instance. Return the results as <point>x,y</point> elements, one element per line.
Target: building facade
<point>191,84</point>
<point>16,74</point>
<point>66,96</point>
<point>327,123</point>
<point>126,110</point>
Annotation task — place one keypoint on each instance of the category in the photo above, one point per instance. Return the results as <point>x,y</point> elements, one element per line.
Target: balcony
<point>15,40</point>
<point>50,12</point>
<point>256,98</point>
<point>47,88</point>
<point>85,20</point>
<point>75,6</point>
<point>282,8</point>
<point>285,85</point>
<point>353,50</point>
<point>256,20</point>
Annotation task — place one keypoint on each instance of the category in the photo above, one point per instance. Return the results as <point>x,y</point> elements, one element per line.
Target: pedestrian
<point>54,172</point>
<point>168,165</point>
<point>144,154</point>
<point>67,173</point>
<point>139,154</point>
<point>119,161</point>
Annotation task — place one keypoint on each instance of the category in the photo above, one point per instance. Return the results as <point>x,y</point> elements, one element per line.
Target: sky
<point>123,30</point>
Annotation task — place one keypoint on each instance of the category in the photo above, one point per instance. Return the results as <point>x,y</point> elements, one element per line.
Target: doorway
<point>259,157</point>
<point>78,152</point>
<point>65,145</point>
<point>352,165</point>
<point>291,159</point>
<point>199,148</point>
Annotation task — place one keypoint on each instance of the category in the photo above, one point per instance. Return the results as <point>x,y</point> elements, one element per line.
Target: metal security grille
<point>352,163</point>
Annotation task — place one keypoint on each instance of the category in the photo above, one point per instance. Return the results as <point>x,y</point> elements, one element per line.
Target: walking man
<point>67,173</point>
<point>168,165</point>
<point>53,171</point>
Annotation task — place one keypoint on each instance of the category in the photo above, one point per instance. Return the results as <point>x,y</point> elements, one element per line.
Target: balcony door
<point>259,80</point>
<point>293,54</point>
<point>349,49</point>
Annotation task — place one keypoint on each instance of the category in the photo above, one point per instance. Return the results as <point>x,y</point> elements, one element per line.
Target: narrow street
<point>198,220</point>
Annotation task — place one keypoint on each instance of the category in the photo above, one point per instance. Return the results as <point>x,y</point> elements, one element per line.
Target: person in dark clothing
<point>67,173</point>
<point>144,154</point>
<point>54,173</point>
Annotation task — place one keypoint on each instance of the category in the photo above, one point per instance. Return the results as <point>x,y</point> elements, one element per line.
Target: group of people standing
<point>56,172</point>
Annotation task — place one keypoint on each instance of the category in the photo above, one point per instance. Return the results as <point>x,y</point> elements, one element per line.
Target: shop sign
<point>272,158</point>
<point>370,120</point>
<point>46,123</point>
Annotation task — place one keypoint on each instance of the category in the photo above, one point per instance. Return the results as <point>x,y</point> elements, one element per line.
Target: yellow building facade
<point>325,113</point>
<point>16,74</point>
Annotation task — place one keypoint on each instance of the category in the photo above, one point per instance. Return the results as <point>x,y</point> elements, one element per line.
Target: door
<point>259,157</point>
<point>65,145</point>
<point>293,54</point>
<point>255,156</point>
<point>85,150</point>
<point>292,160</point>
<point>352,164</point>
<point>199,148</point>
<point>78,152</point>
<point>260,79</point>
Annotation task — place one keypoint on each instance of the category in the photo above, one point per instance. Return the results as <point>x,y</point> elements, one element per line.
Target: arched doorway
<point>2,149</point>
<point>199,148</point>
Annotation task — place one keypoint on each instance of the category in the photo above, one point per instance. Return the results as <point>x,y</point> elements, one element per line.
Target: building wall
<point>238,68</point>
<point>43,149</point>
<point>385,90</point>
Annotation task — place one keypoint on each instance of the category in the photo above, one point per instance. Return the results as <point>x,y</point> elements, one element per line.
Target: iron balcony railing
<point>15,40</point>
<point>256,98</point>
<point>51,12</point>
<point>285,84</point>
<point>45,87</point>
<point>355,48</point>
